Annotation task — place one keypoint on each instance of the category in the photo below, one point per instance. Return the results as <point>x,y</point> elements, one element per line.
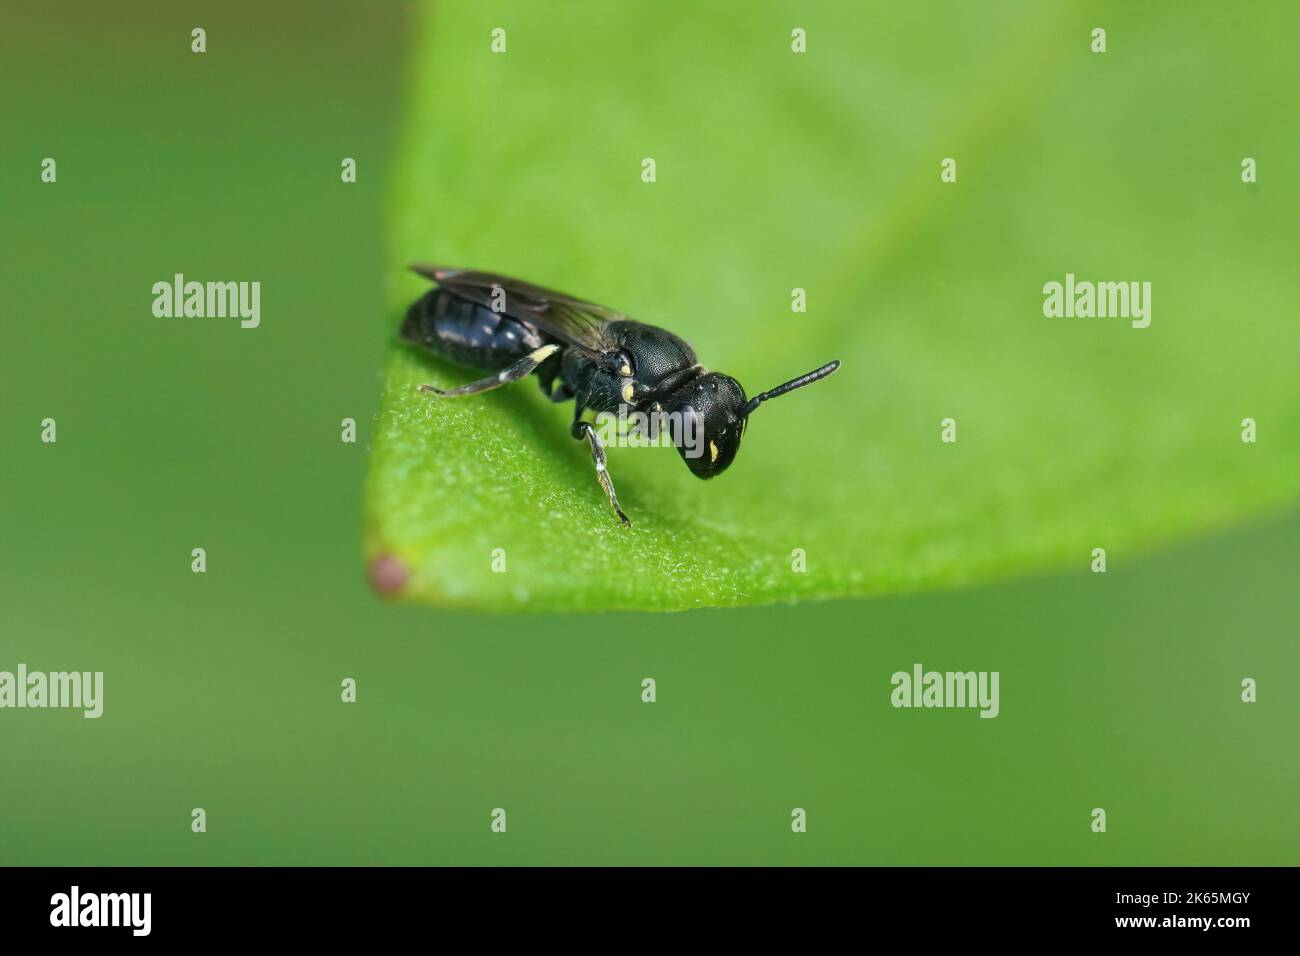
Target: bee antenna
<point>789,386</point>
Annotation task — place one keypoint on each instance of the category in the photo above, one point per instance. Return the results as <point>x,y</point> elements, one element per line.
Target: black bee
<point>603,360</point>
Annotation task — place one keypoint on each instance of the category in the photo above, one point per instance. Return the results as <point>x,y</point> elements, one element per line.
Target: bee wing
<point>572,321</point>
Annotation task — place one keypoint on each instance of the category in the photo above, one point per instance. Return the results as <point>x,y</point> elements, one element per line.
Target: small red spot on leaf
<point>388,575</point>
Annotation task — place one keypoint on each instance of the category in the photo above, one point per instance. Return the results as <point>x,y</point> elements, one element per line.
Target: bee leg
<point>580,430</point>
<point>511,373</point>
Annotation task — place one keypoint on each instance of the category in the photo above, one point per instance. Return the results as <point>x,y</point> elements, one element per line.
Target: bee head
<point>714,404</point>
<point>710,409</point>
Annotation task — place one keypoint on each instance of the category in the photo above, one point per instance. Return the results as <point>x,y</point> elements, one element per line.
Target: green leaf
<point>821,171</point>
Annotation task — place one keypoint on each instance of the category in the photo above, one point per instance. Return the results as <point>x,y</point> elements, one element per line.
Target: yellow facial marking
<point>713,452</point>
<point>627,392</point>
<point>625,370</point>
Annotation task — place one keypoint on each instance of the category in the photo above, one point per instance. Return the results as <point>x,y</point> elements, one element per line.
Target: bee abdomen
<point>466,332</point>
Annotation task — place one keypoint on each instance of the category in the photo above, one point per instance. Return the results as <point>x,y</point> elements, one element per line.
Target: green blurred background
<point>222,689</point>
